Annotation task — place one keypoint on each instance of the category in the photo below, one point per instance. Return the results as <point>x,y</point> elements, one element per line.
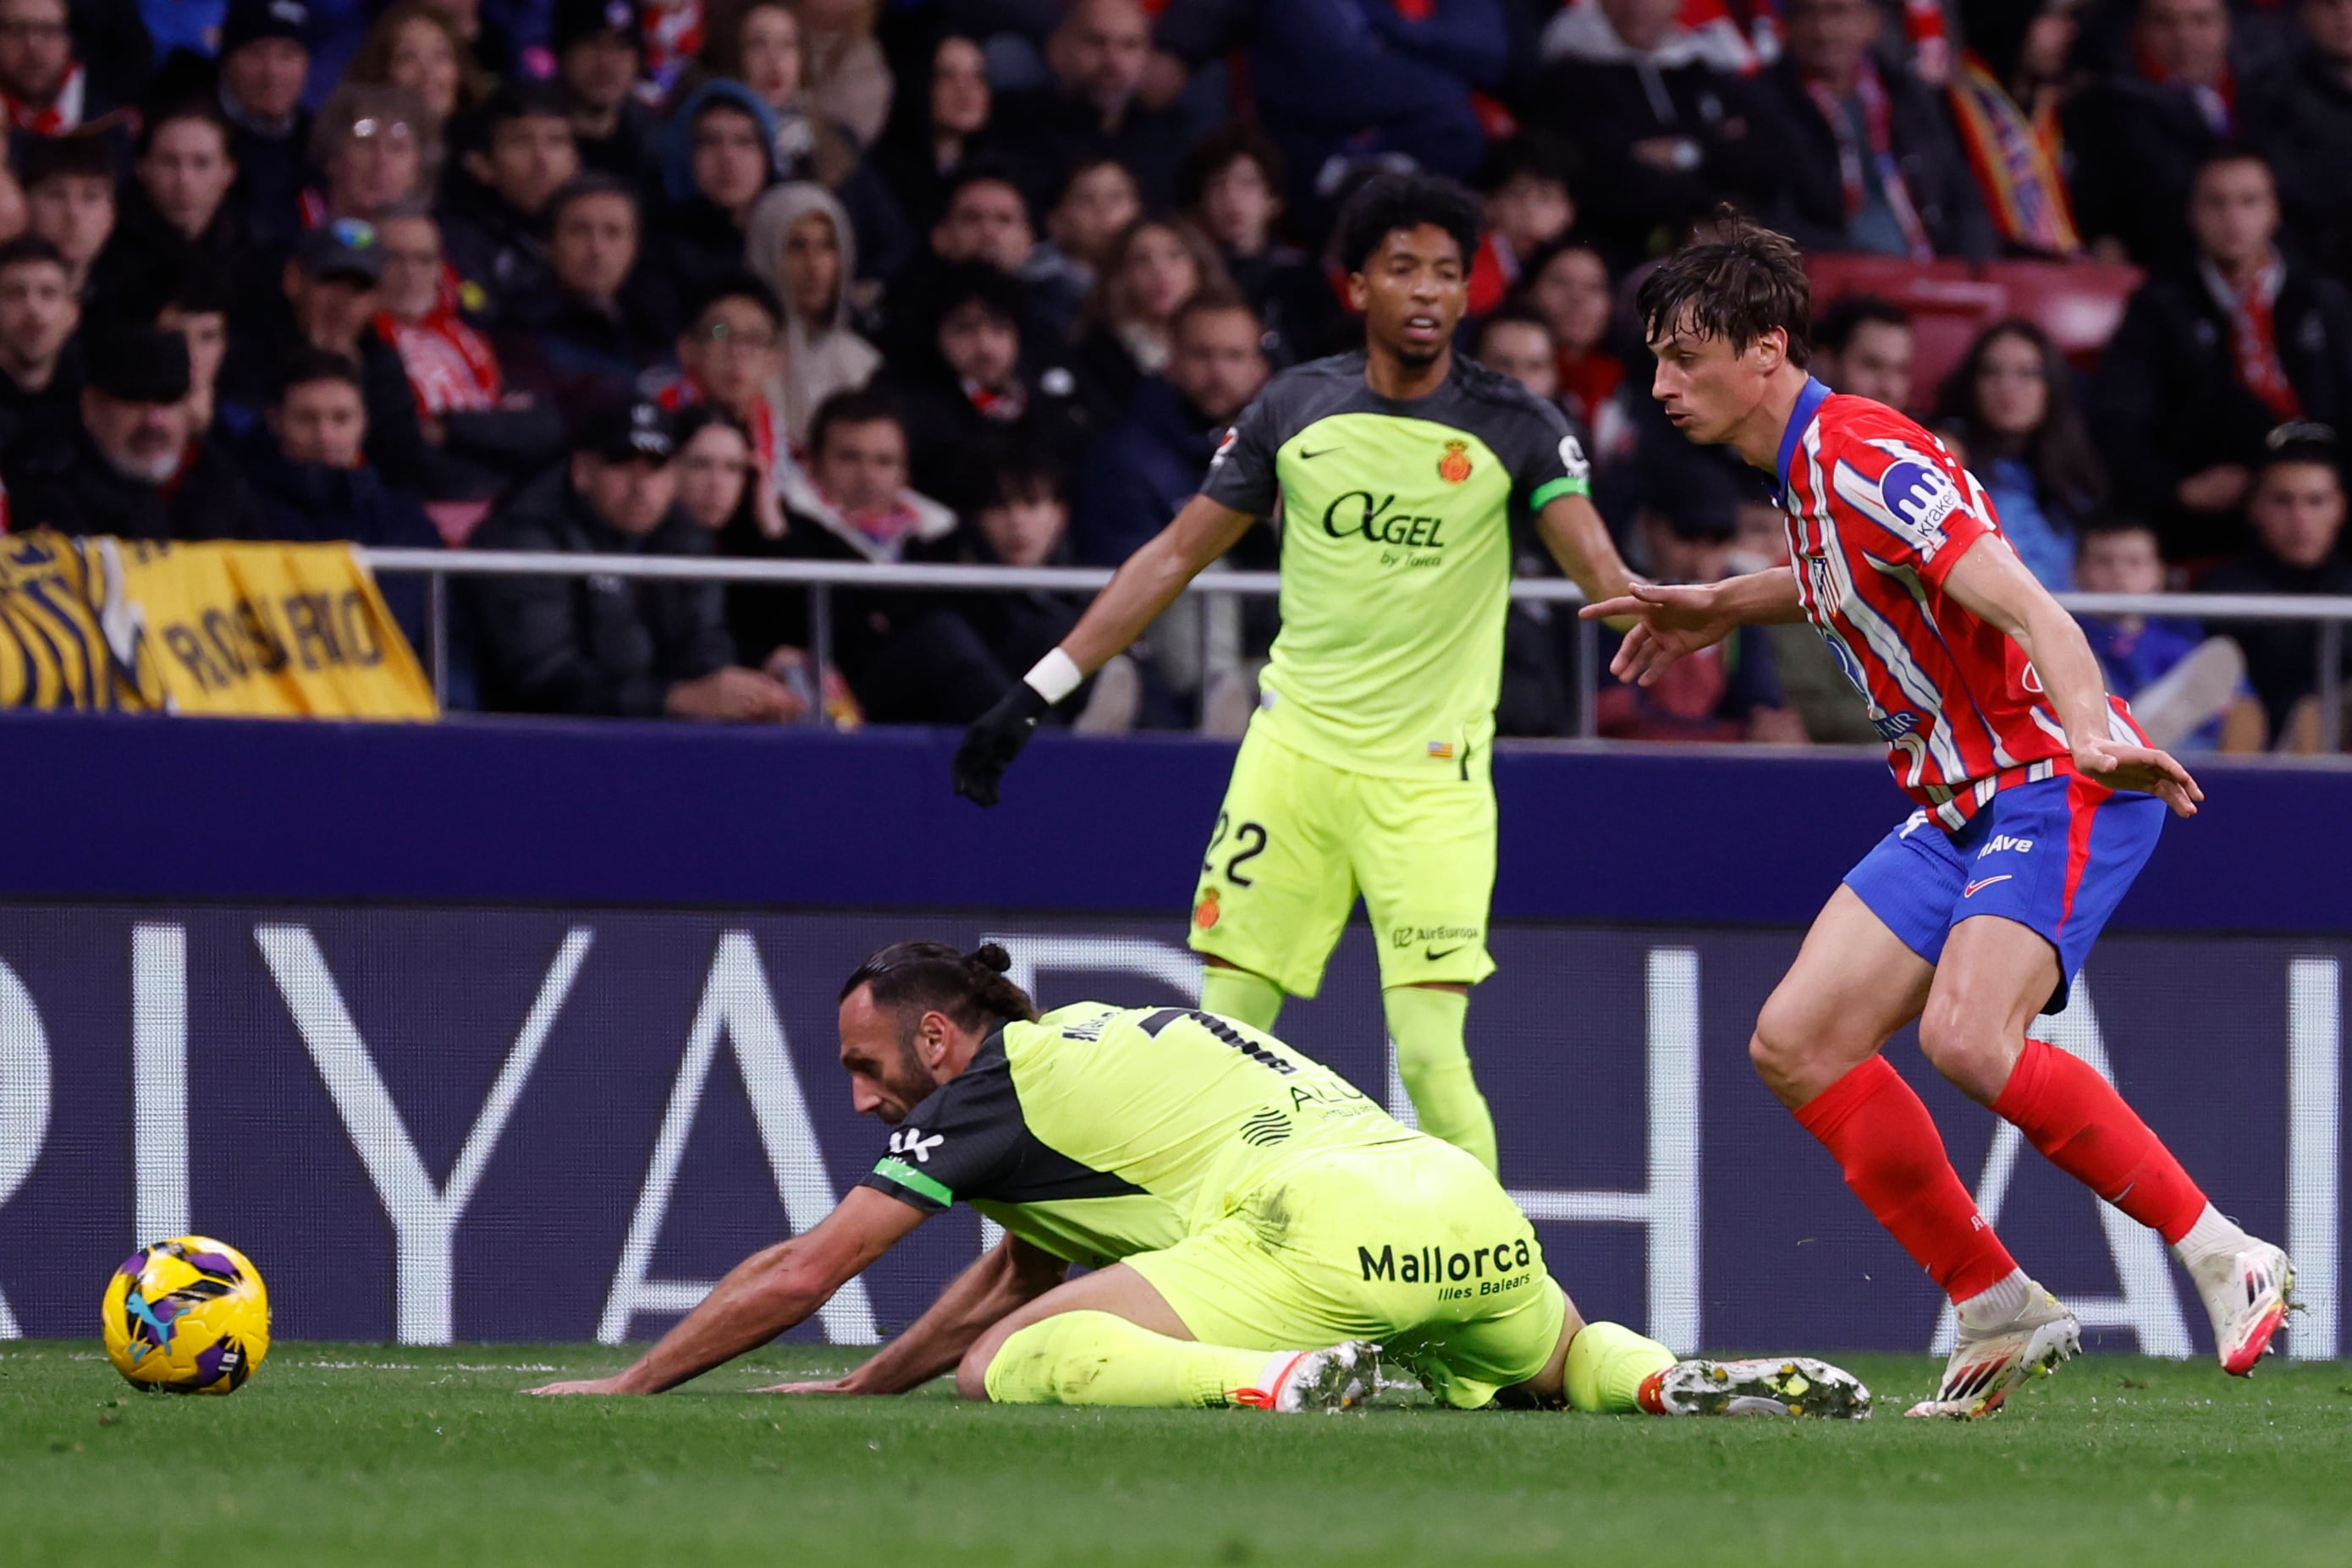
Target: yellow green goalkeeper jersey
<point>1396,553</point>
<point>1100,1131</point>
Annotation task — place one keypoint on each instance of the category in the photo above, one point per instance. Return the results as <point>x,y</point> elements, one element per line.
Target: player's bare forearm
<point>1151,579</point>
<point>1578,538</point>
<point>1011,1275</point>
<point>1993,584</point>
<point>1767,598</point>
<point>775,1288</point>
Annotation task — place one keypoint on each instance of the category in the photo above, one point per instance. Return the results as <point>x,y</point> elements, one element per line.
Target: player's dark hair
<point>1395,200</point>
<point>1849,313</point>
<point>1738,287</point>
<point>914,977</point>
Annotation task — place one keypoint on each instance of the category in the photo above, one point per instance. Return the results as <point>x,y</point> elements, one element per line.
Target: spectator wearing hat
<point>600,53</point>
<point>41,372</point>
<point>265,64</point>
<point>1733,693</point>
<point>43,89</point>
<point>2211,356</point>
<point>174,214</point>
<point>980,383</point>
<point>494,200</point>
<point>330,302</point>
<point>313,483</point>
<point>70,198</point>
<point>2297,511</point>
<point>583,343</point>
<point>598,645</point>
<point>481,434</point>
<point>135,467</point>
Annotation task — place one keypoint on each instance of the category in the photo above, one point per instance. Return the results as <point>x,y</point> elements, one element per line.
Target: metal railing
<point>820,578</point>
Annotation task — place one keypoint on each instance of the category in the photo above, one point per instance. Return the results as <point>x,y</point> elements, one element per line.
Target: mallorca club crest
<point>1454,467</point>
<point>1204,913</point>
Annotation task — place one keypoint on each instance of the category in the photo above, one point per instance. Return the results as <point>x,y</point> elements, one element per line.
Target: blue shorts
<point>2054,855</point>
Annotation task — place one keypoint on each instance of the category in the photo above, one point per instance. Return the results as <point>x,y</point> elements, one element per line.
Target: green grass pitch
<point>337,1454</point>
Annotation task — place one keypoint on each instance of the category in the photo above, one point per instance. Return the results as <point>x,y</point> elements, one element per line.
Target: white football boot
<point>1778,1385</point>
<point>1986,1364</point>
<point>2248,1294</point>
<point>1344,1376</point>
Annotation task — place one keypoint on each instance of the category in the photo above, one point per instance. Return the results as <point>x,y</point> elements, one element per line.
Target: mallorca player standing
<point>2039,802</point>
<point>1399,470</point>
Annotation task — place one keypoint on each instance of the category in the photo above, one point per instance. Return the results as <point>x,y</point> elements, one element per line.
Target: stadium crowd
<point>985,280</point>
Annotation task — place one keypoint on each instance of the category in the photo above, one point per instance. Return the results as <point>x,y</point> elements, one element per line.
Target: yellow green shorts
<point>1410,1243</point>
<point>1298,839</point>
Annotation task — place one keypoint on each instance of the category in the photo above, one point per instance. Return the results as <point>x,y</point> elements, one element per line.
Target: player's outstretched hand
<point>1670,623</point>
<point>2140,768</point>
<point>994,739</point>
<point>584,1386</point>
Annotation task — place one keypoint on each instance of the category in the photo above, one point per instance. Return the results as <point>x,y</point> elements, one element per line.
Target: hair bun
<point>993,957</point>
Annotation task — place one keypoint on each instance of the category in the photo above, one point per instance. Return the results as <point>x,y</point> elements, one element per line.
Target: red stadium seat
<point>2078,304</point>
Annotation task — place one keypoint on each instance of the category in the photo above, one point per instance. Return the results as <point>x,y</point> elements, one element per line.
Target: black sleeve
<point>961,1144</point>
<point>1240,474</point>
<point>517,441</point>
<point>536,647</point>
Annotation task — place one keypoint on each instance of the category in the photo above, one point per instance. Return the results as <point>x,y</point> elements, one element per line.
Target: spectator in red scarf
<point>2138,138</point>
<point>2211,356</point>
<point>732,354</point>
<point>484,436</point>
<point>44,88</point>
<point>1869,161</point>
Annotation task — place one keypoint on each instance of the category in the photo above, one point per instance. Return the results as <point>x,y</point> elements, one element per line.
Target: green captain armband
<point>1566,484</point>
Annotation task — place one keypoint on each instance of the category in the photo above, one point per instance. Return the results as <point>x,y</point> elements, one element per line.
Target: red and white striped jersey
<point>1878,513</point>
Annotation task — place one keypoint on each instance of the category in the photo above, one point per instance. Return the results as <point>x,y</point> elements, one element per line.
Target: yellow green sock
<point>1434,1063</point>
<point>1607,1364</point>
<point>1097,1358</point>
<point>1239,994</point>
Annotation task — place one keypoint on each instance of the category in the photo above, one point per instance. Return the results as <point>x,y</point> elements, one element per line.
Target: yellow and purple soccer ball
<point>189,1316</point>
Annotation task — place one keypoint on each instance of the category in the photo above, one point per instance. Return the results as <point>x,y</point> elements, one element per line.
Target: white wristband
<point>1054,677</point>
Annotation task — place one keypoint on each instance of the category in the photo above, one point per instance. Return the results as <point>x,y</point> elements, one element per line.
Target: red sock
<point>2076,1118</point>
<point>1894,1162</point>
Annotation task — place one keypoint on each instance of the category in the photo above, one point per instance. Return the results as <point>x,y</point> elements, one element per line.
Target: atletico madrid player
<point>2038,801</point>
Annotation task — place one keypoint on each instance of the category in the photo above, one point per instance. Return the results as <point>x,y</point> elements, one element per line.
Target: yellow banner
<point>266,630</point>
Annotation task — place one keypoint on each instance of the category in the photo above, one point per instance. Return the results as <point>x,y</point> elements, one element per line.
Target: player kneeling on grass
<point>1260,1234</point>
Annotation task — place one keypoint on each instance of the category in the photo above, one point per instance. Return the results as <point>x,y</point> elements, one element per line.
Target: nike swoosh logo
<point>1433,954</point>
<point>1307,457</point>
<point>1975,887</point>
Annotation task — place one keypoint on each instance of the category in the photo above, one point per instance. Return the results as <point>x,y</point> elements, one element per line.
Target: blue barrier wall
<point>633,815</point>
<point>570,1055</point>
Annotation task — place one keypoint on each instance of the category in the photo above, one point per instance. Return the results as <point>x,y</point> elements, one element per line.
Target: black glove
<point>994,739</point>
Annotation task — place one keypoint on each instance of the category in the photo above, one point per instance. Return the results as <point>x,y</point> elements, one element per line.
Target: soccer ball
<point>189,1315</point>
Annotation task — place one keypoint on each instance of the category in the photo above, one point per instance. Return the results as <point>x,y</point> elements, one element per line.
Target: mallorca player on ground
<point>1399,471</point>
<point>2038,800</point>
<point>1252,1220</point>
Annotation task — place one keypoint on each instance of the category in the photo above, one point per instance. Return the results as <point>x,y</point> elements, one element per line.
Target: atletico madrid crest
<point>1454,467</point>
